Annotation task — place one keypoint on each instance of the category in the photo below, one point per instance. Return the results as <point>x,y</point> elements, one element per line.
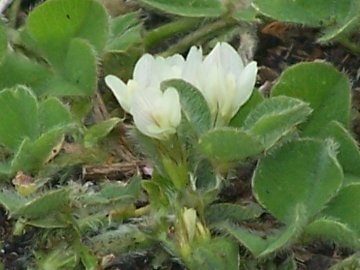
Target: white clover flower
<point>149,71</point>
<point>122,92</point>
<point>222,78</point>
<point>157,114</point>
<point>193,66</point>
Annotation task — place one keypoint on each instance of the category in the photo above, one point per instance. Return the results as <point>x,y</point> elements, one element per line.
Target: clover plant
<point>337,19</point>
<point>192,114</point>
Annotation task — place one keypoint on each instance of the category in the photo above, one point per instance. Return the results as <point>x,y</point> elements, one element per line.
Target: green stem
<point>157,35</point>
<point>192,38</point>
<point>13,13</point>
<point>142,211</point>
<point>355,48</point>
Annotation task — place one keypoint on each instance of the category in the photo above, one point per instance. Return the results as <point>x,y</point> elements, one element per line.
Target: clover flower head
<point>122,92</point>
<point>157,114</point>
<point>149,71</point>
<point>222,78</point>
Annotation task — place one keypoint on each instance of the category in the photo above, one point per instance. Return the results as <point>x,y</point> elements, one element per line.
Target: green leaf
<point>352,262</point>
<point>156,194</point>
<point>16,69</point>
<point>3,42</point>
<point>348,152</point>
<point>263,246</point>
<point>310,13</point>
<point>30,130</point>
<point>61,256</point>
<point>193,104</point>
<point>301,172</point>
<point>221,212</point>
<point>48,203</point>
<point>188,8</point>
<point>99,131</point>
<point>50,221</point>
<point>11,200</point>
<point>218,253</point>
<point>81,107</point>
<point>177,173</point>
<point>88,259</point>
<point>18,116</point>
<point>345,207</point>
<point>127,238</point>
<point>344,25</point>
<point>332,230</point>
<point>54,23</point>
<point>79,70</point>
<point>151,148</point>
<point>239,118</point>
<point>205,176</point>
<point>229,144</point>
<point>125,32</point>
<point>249,14</point>
<point>114,191</point>
<point>5,170</point>
<point>75,76</point>
<point>321,85</point>
<point>32,155</point>
<point>276,117</point>
<point>53,114</point>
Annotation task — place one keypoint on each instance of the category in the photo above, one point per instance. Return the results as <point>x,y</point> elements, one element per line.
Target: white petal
<point>213,58</point>
<point>150,71</point>
<point>211,87</point>
<point>177,64</point>
<point>195,55</point>
<point>246,83</point>
<point>119,90</point>
<point>161,71</point>
<point>225,57</point>
<point>141,109</point>
<point>156,114</point>
<point>230,59</point>
<point>227,100</point>
<point>166,112</point>
<point>171,67</point>
<point>156,132</point>
<point>173,108</point>
<point>160,64</point>
<point>143,70</point>
<point>193,67</point>
<point>176,60</point>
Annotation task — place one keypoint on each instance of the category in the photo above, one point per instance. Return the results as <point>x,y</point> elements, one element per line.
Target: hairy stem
<point>142,211</point>
<point>355,48</point>
<point>14,12</point>
<point>199,34</point>
<point>157,35</point>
